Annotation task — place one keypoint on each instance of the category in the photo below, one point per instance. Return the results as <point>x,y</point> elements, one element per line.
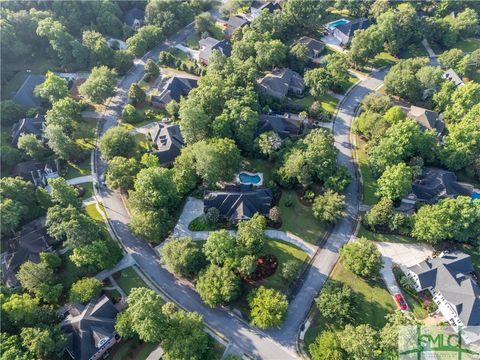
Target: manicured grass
<point>92,211</point>
<point>345,85</point>
<point>179,54</point>
<point>260,165</point>
<point>382,59</point>
<point>386,237</point>
<point>84,132</point>
<point>201,224</point>
<point>298,219</point>
<point>129,279</point>
<point>71,170</point>
<point>328,102</point>
<point>369,187</point>
<point>374,302</point>
<point>414,50</point>
<point>132,349</point>
<point>88,187</point>
<point>283,252</point>
<point>468,45</point>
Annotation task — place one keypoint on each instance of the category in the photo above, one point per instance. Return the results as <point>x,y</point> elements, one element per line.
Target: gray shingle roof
<point>280,81</point>
<point>86,330</point>
<point>174,89</point>
<point>24,95</point>
<point>132,15</point>
<point>169,141</point>
<point>427,119</point>
<point>33,126</point>
<point>450,276</point>
<point>236,21</point>
<point>285,125</point>
<point>357,24</point>
<point>451,75</point>
<point>434,184</point>
<point>314,47</point>
<point>239,204</point>
<point>37,172</point>
<point>209,44</point>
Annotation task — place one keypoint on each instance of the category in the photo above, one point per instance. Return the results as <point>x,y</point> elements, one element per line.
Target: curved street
<point>243,338</point>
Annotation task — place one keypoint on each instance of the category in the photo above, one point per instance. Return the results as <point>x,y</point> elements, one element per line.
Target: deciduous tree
<point>117,141</point>
<point>329,207</point>
<point>218,285</point>
<point>362,258</point>
<point>268,307</point>
<point>83,290</point>
<point>100,84</point>
<point>53,88</point>
<point>182,257</point>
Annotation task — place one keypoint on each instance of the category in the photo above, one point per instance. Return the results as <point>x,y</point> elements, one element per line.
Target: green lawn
<point>374,302</point>
<point>132,349</point>
<point>386,237</point>
<point>298,219</point>
<point>260,165</point>
<point>201,224</point>
<point>283,252</point>
<point>92,211</point>
<point>71,170</point>
<point>382,59</point>
<point>128,279</point>
<point>179,54</point>
<point>345,85</point>
<point>84,133</point>
<point>328,102</point>
<point>468,45</point>
<point>369,183</point>
<point>88,186</point>
<point>414,50</point>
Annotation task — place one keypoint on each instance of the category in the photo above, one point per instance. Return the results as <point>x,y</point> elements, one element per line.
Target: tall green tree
<point>336,302</point>
<point>44,343</point>
<point>121,173</point>
<point>250,234</point>
<point>63,194</point>
<point>84,290</point>
<point>268,307</point>
<point>40,279</point>
<point>218,285</point>
<point>100,84</point>
<point>136,94</point>
<point>182,257</point>
<point>362,258</point>
<point>329,206</point>
<point>327,347</point>
<point>117,141</point>
<point>395,182</point>
<point>64,113</point>
<point>32,146</point>
<point>360,342</point>
<point>220,248</point>
<point>53,88</point>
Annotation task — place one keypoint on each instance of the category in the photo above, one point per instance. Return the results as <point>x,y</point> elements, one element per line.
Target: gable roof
<point>278,82</point>
<point>27,245</point>
<point>451,75</point>
<point>174,89</point>
<point>37,172</point>
<point>89,330</point>
<point>427,119</point>
<point>236,22</point>
<point>449,274</point>
<point>24,95</point>
<point>285,125</point>
<point>314,46</point>
<point>239,204</point>
<point>169,141</point>
<point>434,184</point>
<point>132,15</point>
<point>33,126</point>
<point>349,28</point>
<point>209,44</point>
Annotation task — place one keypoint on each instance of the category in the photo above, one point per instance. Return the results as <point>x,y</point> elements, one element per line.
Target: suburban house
<point>27,245</point>
<point>24,95</point>
<point>134,18</point>
<point>451,75</point>
<point>258,6</point>
<point>449,279</point>
<point>436,184</point>
<point>35,126</point>
<point>38,172</point>
<point>90,329</point>
<point>209,44</point>
<point>234,23</point>
<point>174,89</point>
<point>344,32</point>
<point>315,47</point>
<point>285,125</point>
<point>426,119</point>
<point>169,142</point>
<point>280,82</point>
<point>239,203</point>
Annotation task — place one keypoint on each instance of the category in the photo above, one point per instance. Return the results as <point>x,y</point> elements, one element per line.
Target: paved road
<point>276,344</point>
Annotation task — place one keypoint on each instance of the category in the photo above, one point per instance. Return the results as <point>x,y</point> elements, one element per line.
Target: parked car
<point>402,304</point>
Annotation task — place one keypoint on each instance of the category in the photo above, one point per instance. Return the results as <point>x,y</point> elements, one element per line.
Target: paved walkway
<point>194,208</point>
<point>126,261</point>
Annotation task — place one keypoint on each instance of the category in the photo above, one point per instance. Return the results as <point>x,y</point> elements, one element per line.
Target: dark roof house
<point>169,141</point>
<point>285,125</point>
<point>174,89</point>
<point>209,44</point>
<point>280,82</point>
<point>134,18</point>
<point>34,126</point>
<point>239,204</point>
<point>258,6</point>
<point>426,119</point>
<point>435,184</point>
<point>38,172</point>
<point>27,245</point>
<point>344,32</point>
<point>449,278</point>
<point>90,329</point>
<point>24,95</point>
<point>451,75</point>
<point>315,47</point>
<point>234,23</point>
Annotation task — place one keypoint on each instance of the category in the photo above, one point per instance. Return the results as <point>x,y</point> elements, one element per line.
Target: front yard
<point>128,279</point>
<point>132,350</point>
<point>328,102</point>
<point>72,170</point>
<point>374,302</point>
<point>369,183</point>
<point>393,238</point>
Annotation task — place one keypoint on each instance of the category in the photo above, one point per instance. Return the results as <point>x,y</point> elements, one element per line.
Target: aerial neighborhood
<point>238,179</point>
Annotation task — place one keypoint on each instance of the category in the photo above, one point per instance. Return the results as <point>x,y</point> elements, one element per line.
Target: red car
<point>400,301</point>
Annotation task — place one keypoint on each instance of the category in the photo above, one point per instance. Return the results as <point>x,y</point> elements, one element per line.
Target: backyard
<point>374,302</point>
<point>298,219</point>
<point>283,252</point>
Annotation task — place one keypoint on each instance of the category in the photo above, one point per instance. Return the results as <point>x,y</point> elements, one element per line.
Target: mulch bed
<point>266,266</point>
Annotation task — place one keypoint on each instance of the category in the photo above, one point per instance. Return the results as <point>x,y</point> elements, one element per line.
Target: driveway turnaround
<point>275,344</point>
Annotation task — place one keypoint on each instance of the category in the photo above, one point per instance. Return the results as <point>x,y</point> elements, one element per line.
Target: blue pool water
<point>334,24</point>
<point>249,179</point>
<point>475,196</point>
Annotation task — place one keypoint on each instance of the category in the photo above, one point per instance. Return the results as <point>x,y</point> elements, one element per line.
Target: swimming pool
<point>248,178</point>
<point>475,196</point>
<point>332,25</point>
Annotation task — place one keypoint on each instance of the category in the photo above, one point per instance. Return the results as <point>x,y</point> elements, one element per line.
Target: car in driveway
<point>402,304</point>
